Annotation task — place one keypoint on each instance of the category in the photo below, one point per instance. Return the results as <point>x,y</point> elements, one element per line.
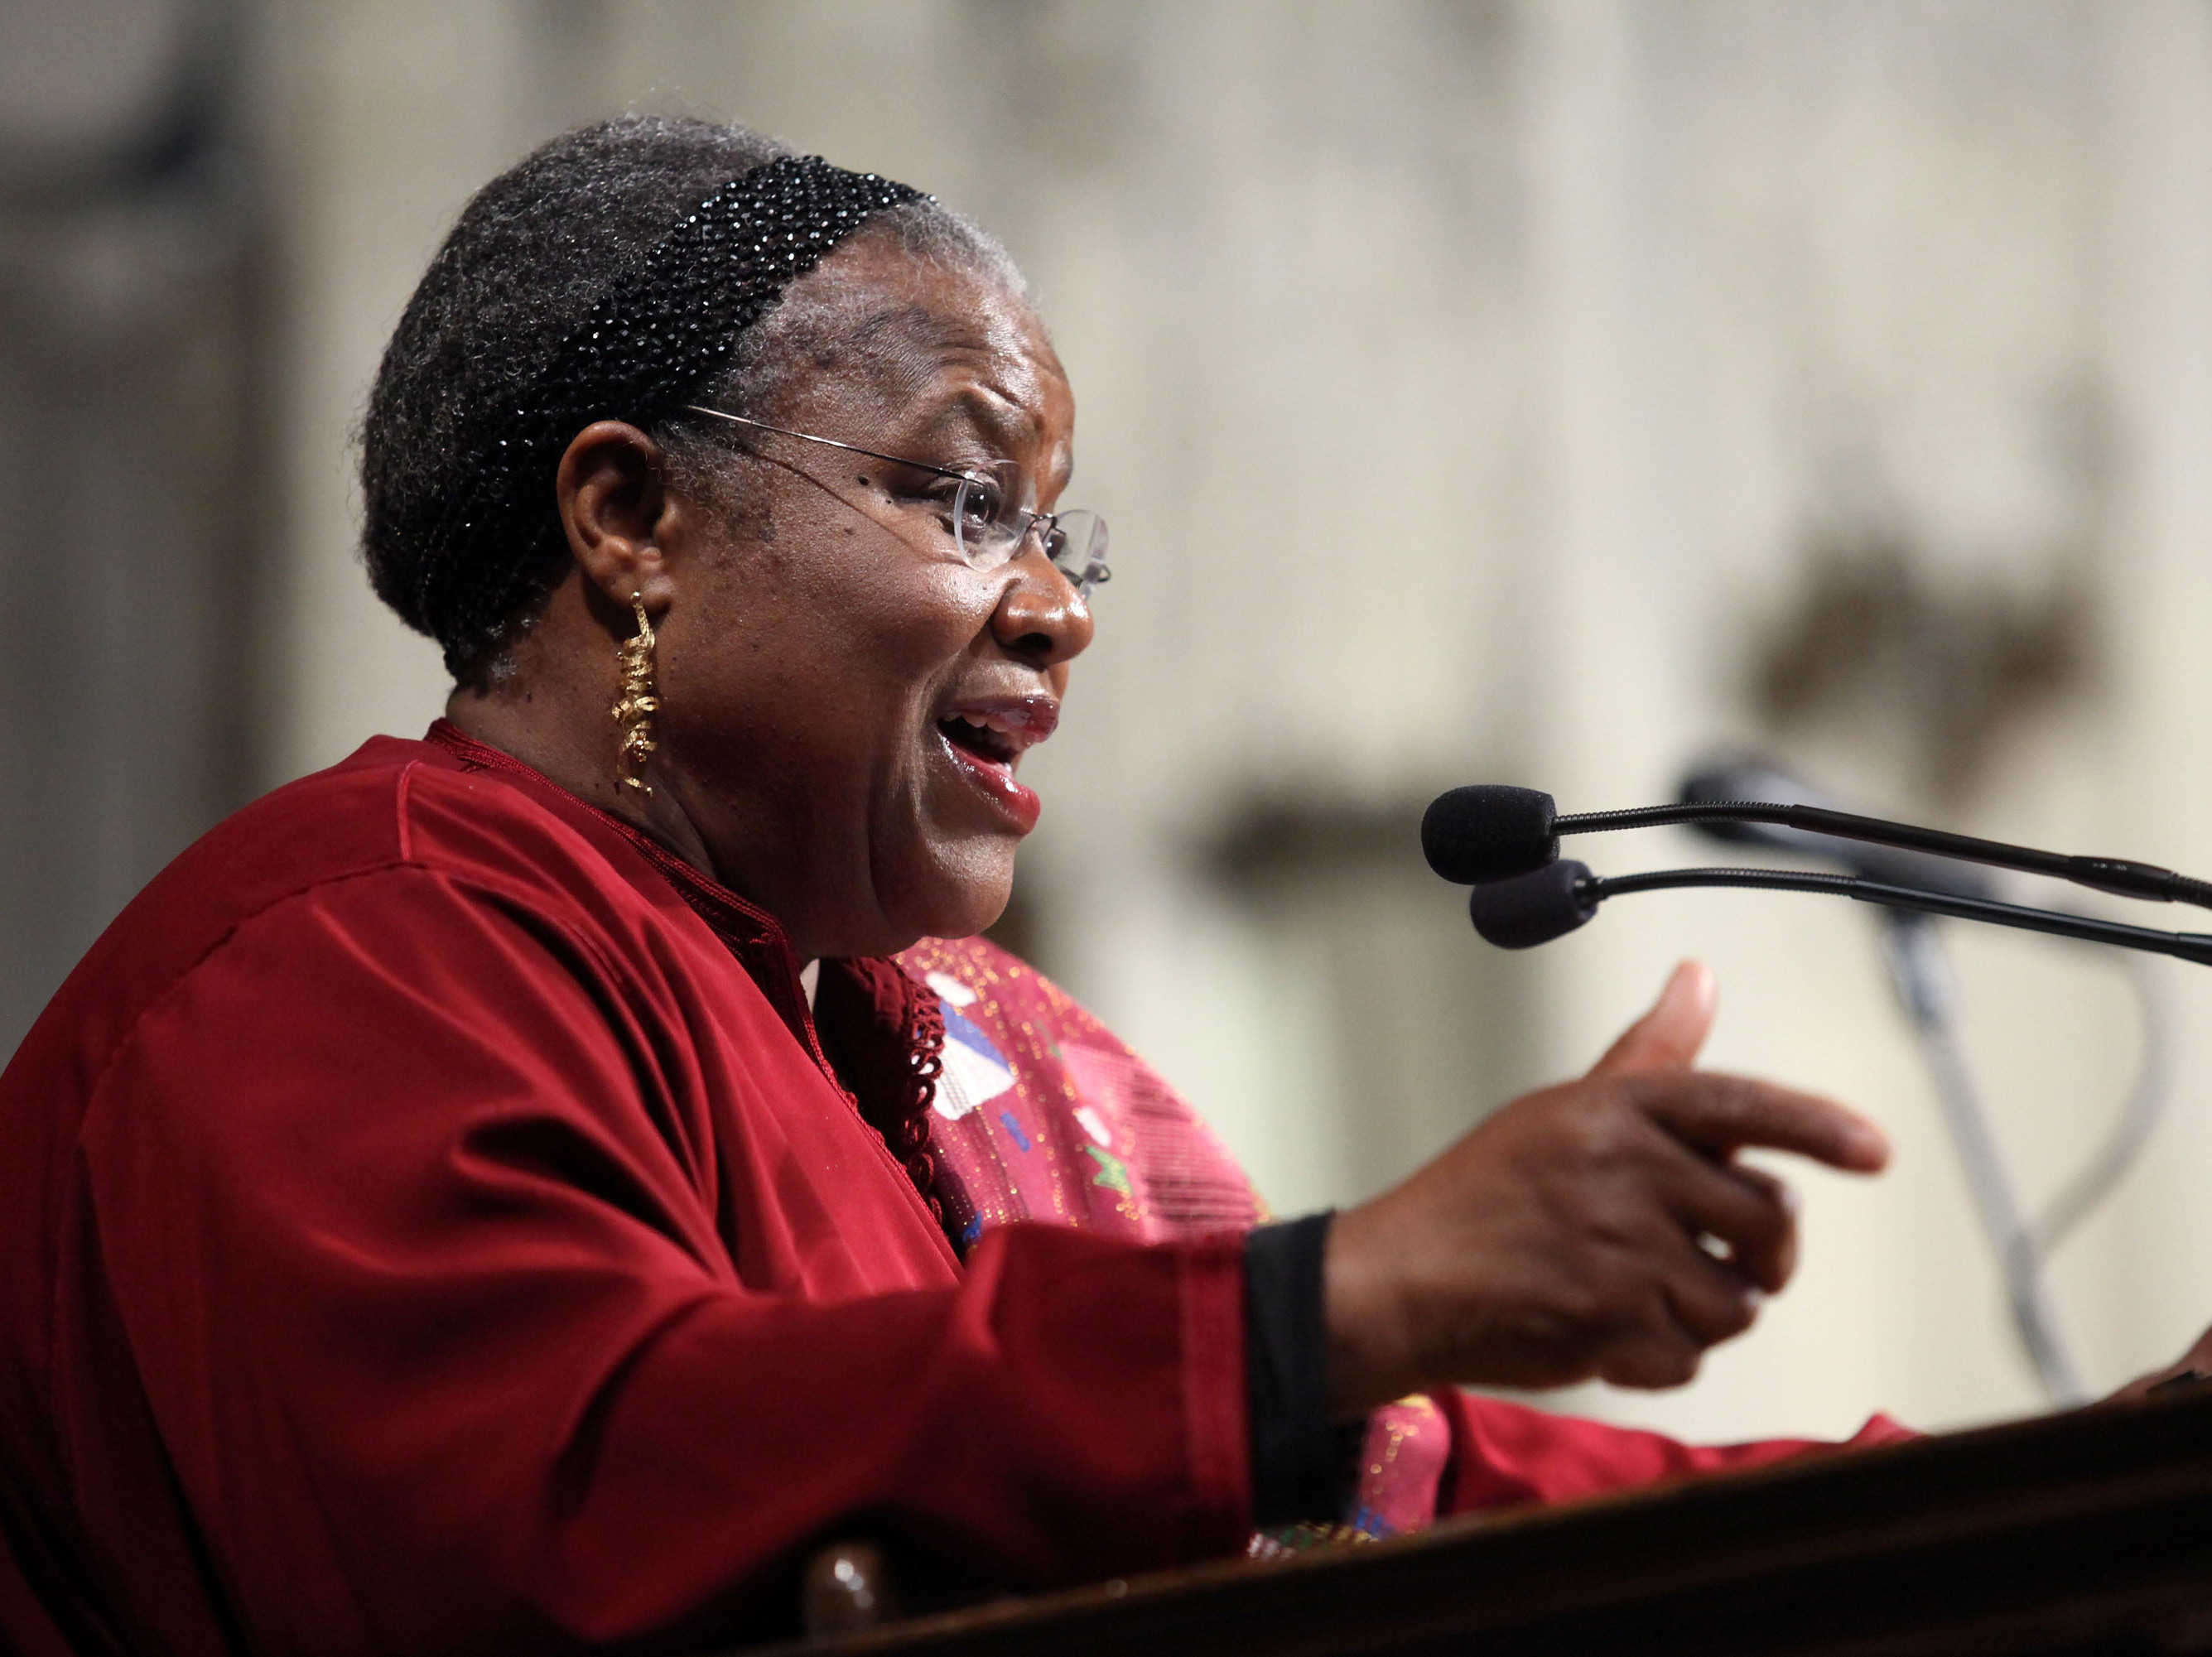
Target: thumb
<point>1668,1036</point>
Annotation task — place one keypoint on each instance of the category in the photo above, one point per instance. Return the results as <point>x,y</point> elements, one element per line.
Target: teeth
<point>998,722</point>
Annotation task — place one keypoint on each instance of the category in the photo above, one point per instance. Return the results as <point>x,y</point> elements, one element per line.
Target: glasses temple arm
<point>1051,520</point>
<point>831,442</point>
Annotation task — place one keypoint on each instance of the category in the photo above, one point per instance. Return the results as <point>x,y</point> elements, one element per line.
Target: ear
<point>615,508</point>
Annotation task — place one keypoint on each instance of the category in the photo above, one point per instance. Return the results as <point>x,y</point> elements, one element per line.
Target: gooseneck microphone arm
<point>2185,946</point>
<point>1504,842</point>
<point>1553,901</point>
<point>2118,876</point>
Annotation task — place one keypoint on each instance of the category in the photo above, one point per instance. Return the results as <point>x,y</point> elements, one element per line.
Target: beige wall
<point>1464,383</point>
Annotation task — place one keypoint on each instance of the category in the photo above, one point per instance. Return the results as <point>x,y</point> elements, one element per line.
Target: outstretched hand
<point>1601,1227</point>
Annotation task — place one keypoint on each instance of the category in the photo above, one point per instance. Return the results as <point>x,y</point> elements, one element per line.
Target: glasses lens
<point>1077,543</point>
<point>992,511</point>
<point>987,513</point>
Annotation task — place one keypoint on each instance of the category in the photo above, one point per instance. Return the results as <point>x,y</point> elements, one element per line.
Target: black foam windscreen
<point>1532,908</point>
<point>1488,831</point>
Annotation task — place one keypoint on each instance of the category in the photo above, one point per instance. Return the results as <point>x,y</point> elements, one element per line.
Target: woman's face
<point>845,700</point>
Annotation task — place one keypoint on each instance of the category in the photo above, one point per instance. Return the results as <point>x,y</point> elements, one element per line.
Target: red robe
<point>428,1221</point>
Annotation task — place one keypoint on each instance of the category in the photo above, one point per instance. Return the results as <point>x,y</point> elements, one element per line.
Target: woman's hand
<point>1597,1229</point>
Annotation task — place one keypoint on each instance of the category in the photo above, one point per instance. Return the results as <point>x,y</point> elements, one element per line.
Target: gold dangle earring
<point>634,707</point>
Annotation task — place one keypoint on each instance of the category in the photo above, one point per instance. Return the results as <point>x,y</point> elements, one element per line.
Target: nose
<point>1040,616</point>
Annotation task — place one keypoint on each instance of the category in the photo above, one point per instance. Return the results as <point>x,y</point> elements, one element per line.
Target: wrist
<point>1371,1360</point>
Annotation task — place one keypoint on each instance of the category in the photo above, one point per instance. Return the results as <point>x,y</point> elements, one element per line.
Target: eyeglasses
<point>990,520</point>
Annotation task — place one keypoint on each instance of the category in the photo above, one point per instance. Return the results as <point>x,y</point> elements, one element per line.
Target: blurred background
<point>1547,391</point>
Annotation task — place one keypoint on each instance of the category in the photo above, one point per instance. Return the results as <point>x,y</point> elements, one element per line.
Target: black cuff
<point>1303,1463</point>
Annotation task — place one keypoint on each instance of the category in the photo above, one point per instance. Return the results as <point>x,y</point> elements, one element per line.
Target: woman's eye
<point>938,496</point>
<point>979,503</point>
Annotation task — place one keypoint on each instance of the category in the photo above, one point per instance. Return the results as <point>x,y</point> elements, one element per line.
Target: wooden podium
<point>2084,1533</point>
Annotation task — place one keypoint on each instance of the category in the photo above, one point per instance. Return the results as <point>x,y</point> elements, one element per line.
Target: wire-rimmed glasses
<point>990,516</point>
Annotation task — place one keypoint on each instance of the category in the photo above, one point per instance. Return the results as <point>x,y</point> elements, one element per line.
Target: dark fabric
<point>1303,1463</point>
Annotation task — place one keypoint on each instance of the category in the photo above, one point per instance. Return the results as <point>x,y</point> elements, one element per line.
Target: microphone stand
<point>1504,842</point>
<point>1921,973</point>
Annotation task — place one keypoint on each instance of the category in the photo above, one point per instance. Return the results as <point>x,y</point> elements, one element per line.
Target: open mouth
<point>971,734</point>
<point>986,738</point>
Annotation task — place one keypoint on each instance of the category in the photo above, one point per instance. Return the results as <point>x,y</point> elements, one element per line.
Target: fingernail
<point>1698,979</point>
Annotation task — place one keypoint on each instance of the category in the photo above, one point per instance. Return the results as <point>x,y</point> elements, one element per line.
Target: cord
<point>1920,972</point>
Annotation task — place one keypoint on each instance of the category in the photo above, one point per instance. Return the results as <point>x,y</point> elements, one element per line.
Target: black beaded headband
<point>647,345</point>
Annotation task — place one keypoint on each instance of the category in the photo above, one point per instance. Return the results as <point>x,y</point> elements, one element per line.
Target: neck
<point>485,719</point>
<point>554,741</point>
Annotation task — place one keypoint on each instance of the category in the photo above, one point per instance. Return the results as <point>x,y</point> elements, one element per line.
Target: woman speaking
<point>523,1189</point>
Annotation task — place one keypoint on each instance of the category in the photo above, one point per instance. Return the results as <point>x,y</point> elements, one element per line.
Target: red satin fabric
<point>1508,1455</point>
<point>429,1223</point>
<point>415,1236</point>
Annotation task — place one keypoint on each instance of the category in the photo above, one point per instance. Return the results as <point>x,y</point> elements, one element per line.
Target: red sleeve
<point>1507,1454</point>
<point>431,1314</point>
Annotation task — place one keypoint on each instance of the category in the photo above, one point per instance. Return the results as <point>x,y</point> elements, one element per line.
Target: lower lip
<point>995,782</point>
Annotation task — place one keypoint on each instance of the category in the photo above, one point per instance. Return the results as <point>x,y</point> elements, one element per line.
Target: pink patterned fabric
<point>1042,1113</point>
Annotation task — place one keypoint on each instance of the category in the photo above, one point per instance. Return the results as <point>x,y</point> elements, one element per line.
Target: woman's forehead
<point>941,344</point>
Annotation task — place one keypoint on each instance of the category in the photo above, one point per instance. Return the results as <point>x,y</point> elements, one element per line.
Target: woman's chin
<point>961,895</point>
<point>977,913</point>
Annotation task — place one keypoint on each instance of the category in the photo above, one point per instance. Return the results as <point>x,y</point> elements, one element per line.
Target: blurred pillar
<point>379,118</point>
<point>130,462</point>
<point>2156,272</point>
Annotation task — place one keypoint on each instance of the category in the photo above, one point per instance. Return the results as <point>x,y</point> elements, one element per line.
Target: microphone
<point>1550,902</point>
<point>1489,832</point>
<point>1534,907</point>
<point>1744,778</point>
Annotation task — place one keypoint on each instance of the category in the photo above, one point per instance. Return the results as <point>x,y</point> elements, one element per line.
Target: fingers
<point>1690,1298</point>
<point>1751,1214</point>
<point>1668,1036</point>
<point>1694,1301</point>
<point>1660,1359</point>
<point>1597,1228</point>
<point>1760,1180</point>
<point>1722,1114</point>
<point>1720,1240</point>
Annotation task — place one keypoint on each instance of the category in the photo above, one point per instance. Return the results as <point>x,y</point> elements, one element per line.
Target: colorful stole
<point>1042,1113</point>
